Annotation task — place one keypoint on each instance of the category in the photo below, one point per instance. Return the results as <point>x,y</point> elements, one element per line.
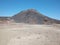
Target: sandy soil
<point>24,34</point>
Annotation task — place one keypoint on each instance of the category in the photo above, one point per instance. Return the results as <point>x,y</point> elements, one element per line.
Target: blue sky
<point>50,8</point>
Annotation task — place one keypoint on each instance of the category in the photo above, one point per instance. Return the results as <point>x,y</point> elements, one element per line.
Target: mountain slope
<point>31,16</point>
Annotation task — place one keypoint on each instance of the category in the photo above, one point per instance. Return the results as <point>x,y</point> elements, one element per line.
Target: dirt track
<point>23,34</point>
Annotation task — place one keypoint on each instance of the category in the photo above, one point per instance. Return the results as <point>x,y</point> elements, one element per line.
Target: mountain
<point>32,16</point>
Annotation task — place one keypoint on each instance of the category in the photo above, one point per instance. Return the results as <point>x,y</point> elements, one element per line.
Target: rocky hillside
<point>32,16</point>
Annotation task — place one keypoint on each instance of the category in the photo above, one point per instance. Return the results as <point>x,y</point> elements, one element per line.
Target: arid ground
<point>24,34</point>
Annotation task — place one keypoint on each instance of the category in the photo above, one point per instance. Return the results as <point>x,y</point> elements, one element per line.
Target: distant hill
<point>4,19</point>
<point>30,16</point>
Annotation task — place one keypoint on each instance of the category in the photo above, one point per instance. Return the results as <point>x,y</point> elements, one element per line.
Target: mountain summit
<point>32,16</point>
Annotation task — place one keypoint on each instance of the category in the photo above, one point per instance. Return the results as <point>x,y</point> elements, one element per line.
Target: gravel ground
<point>24,34</point>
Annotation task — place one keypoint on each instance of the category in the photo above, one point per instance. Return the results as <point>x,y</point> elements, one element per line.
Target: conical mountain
<point>31,16</point>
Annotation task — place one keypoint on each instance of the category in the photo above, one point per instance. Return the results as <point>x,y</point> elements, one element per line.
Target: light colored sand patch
<point>16,34</point>
<point>29,40</point>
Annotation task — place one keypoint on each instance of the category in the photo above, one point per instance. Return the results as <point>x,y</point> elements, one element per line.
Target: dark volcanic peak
<point>32,16</point>
<point>27,11</point>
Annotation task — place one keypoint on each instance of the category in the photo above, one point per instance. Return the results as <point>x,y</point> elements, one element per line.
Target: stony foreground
<point>24,34</point>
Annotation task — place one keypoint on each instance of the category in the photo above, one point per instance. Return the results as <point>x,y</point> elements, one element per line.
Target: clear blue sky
<point>49,8</point>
